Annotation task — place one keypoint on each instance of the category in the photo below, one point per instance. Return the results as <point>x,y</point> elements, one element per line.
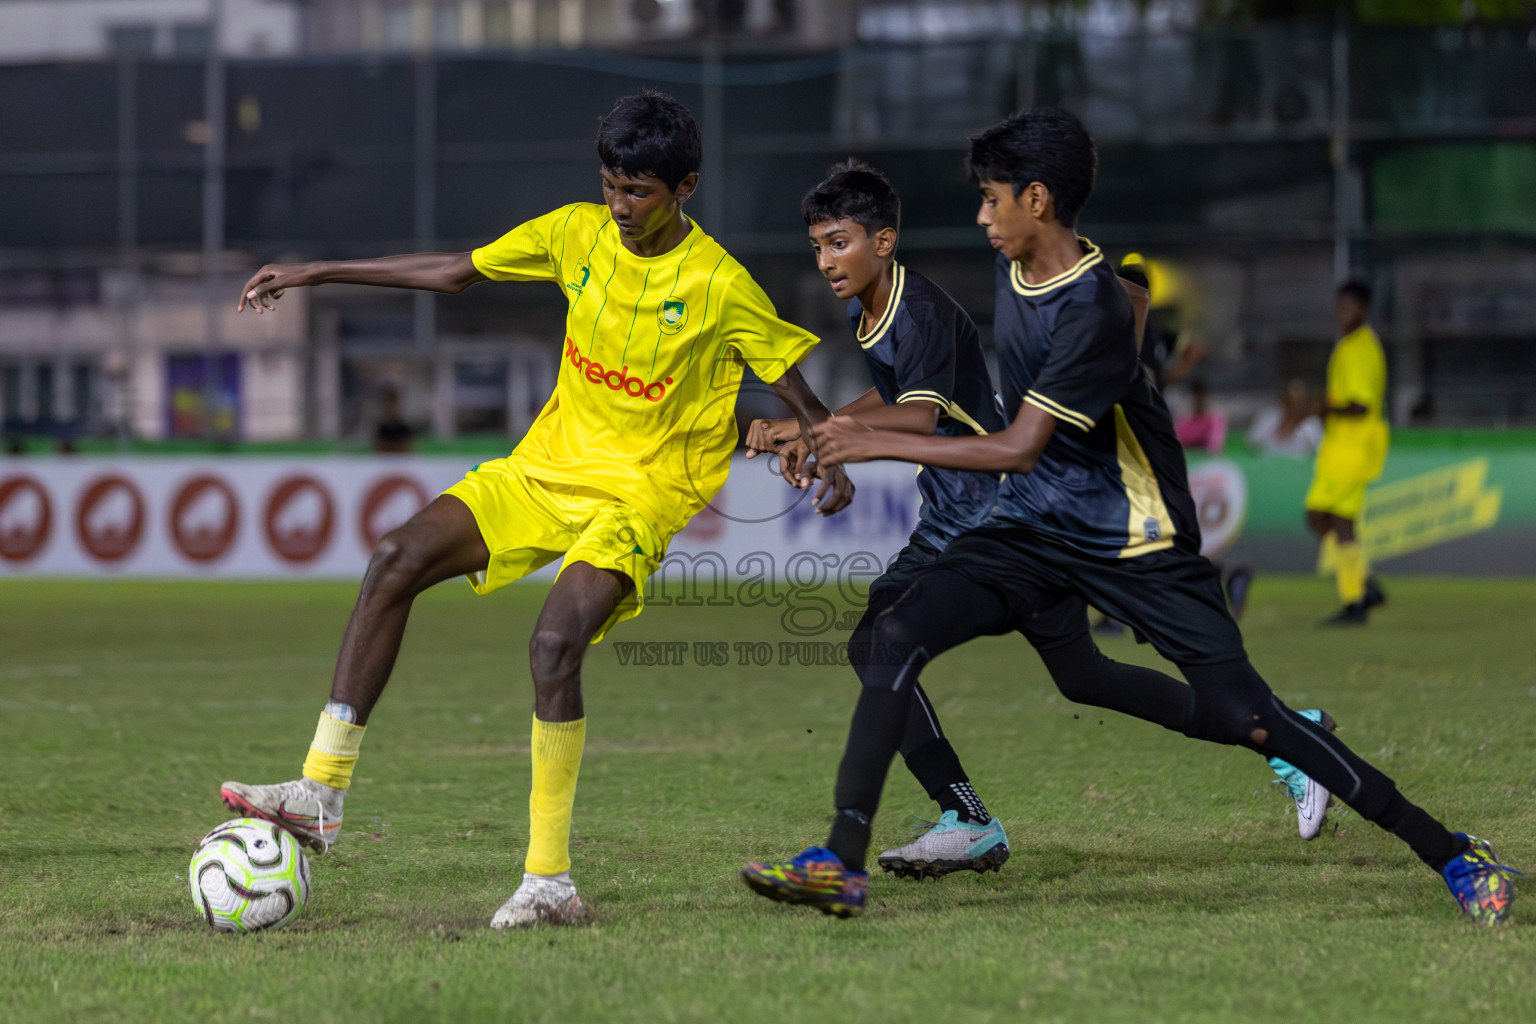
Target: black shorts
<point>1171,597</point>
<point>909,561</point>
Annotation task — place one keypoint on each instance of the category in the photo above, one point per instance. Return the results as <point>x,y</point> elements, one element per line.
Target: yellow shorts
<point>529,523</point>
<point>1342,497</point>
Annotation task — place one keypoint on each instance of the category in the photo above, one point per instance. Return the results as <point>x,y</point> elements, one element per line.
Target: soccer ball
<point>248,875</point>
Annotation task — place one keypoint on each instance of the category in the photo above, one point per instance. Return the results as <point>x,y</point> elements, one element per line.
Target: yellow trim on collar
<point>898,283</point>
<point>1091,258</point>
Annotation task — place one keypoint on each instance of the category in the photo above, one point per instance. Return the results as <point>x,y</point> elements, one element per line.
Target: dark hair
<point>1044,144</point>
<point>1357,289</point>
<point>853,190</point>
<point>650,133</point>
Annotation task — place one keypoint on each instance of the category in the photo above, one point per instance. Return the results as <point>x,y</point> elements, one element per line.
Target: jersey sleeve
<point>1093,357</point>
<point>530,251</point>
<point>925,365</point>
<point>750,325</point>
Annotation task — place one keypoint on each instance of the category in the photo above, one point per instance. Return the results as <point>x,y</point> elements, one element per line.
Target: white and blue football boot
<point>949,845</point>
<point>1310,795</point>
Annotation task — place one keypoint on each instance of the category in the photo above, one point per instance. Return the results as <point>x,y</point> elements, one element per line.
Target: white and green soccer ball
<point>248,875</point>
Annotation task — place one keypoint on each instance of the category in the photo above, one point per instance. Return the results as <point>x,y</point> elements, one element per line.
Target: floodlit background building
<point>144,173</point>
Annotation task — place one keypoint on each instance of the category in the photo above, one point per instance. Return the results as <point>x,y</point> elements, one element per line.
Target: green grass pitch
<point>1153,878</point>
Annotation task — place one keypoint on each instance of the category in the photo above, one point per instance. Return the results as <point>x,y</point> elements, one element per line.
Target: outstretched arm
<point>809,411</point>
<point>917,417</point>
<point>449,272</point>
<point>1012,450</point>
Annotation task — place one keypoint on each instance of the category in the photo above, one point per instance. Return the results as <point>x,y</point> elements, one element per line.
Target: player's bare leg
<point>581,601</point>
<point>438,543</point>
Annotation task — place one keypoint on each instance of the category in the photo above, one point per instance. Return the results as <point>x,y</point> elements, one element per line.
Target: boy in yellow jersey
<point>1353,450</point>
<point>635,440</point>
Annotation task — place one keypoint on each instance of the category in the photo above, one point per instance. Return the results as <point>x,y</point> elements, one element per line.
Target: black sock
<point>940,611</point>
<point>936,767</point>
<point>1435,845</point>
<point>962,799</point>
<point>850,838</point>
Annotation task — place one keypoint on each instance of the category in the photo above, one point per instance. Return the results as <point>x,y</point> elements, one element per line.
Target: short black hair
<point>853,190</point>
<point>1356,288</point>
<point>1044,144</point>
<point>650,133</point>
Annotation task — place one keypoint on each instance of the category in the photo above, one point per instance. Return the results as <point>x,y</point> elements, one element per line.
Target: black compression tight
<point>1226,703</point>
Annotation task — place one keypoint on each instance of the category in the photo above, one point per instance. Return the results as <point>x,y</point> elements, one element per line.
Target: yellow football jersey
<point>1355,447</point>
<point>644,406</point>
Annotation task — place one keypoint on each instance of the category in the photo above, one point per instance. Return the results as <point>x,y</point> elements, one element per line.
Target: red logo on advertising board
<point>110,518</point>
<point>26,518</point>
<point>300,518</point>
<point>388,504</point>
<point>205,517</point>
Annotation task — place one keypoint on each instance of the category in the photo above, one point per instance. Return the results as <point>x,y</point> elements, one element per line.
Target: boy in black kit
<point>930,378</point>
<point>1094,508</point>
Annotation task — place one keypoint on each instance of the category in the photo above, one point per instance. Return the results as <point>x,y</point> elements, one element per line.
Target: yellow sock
<point>1352,572</point>
<point>333,752</point>
<point>1328,555</point>
<point>556,760</point>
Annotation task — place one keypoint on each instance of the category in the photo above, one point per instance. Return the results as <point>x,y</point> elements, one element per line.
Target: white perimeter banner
<point>254,517</point>
<point>257,517</point>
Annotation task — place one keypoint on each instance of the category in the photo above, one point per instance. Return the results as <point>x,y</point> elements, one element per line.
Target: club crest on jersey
<point>583,273</point>
<point>672,315</point>
<point>1152,529</point>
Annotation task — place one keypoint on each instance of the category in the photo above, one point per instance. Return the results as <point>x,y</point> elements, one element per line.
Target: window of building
<point>136,40</point>
<point>191,38</point>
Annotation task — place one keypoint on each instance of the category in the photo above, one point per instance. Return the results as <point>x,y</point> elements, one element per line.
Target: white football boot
<point>1311,796</point>
<point>310,810</point>
<point>542,899</point>
<point>949,845</point>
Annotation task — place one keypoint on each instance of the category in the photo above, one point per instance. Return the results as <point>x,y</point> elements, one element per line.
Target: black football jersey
<point>926,348</point>
<point>1111,480</point>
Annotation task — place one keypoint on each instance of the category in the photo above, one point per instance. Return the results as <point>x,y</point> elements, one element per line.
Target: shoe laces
<point>921,826</point>
<point>1294,781</point>
<point>1478,862</point>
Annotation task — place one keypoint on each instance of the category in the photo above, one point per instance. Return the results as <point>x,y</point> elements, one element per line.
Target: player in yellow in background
<point>635,440</point>
<point>1353,451</point>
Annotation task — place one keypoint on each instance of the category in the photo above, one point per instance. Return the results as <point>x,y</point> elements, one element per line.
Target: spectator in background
<point>1202,427</point>
<point>1289,427</point>
<point>393,434</point>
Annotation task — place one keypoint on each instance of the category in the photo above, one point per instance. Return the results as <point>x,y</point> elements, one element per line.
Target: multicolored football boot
<point>949,845</point>
<point>815,878</point>
<point>1311,797</point>
<point>1484,887</point>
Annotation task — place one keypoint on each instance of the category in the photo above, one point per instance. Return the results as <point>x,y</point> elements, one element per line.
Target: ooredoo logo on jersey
<point>615,380</point>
